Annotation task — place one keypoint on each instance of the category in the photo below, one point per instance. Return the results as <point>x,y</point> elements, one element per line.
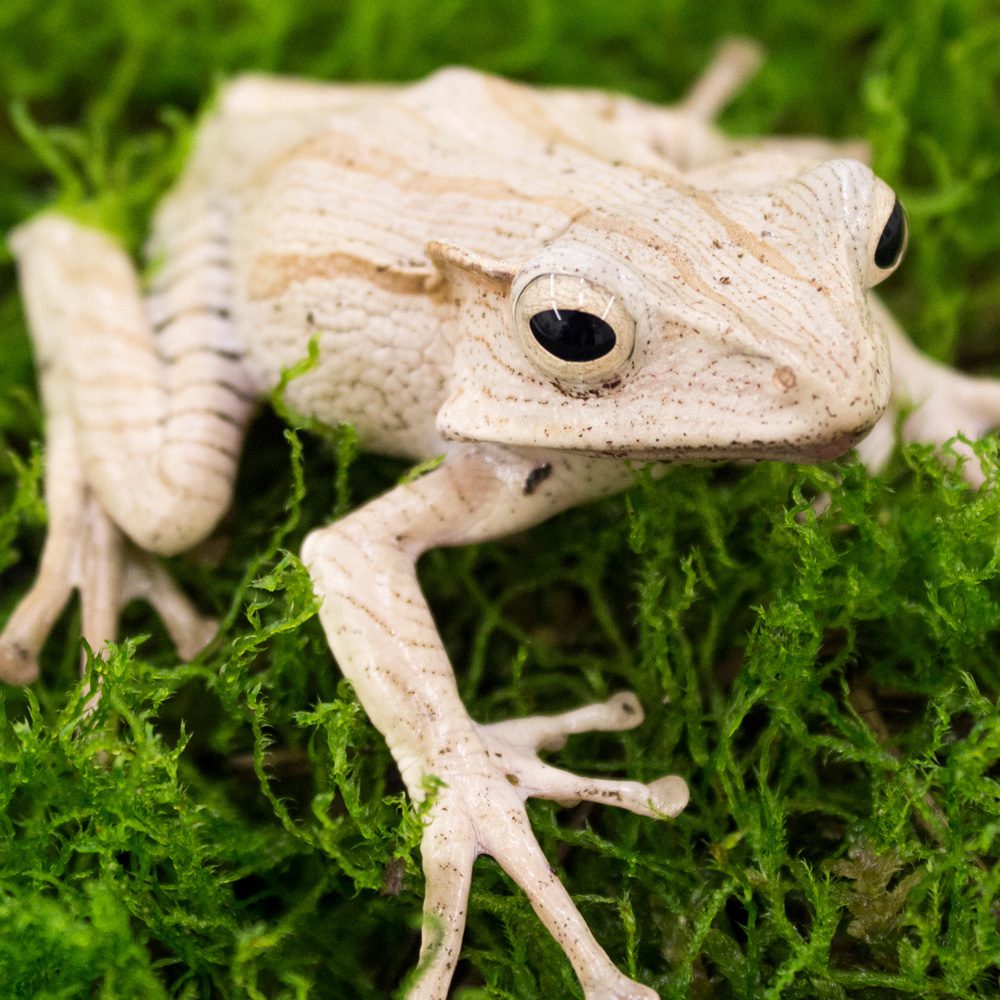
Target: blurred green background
<point>234,828</point>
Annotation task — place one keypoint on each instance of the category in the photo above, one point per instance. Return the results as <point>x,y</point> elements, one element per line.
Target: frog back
<point>331,195</point>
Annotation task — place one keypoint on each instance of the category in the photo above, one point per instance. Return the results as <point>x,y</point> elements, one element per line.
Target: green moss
<point>235,827</point>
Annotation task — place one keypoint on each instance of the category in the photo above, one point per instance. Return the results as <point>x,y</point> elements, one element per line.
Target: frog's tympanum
<point>548,287</point>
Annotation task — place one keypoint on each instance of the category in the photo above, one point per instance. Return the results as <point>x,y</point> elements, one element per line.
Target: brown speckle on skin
<point>392,877</point>
<point>535,478</point>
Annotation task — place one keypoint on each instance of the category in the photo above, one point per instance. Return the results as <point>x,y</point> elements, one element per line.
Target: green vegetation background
<point>234,827</point>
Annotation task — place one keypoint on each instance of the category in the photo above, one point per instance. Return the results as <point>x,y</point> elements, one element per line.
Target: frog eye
<point>572,334</point>
<point>891,244</point>
<point>572,329</point>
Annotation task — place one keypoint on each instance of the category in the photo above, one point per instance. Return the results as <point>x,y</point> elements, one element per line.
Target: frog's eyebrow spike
<point>449,257</point>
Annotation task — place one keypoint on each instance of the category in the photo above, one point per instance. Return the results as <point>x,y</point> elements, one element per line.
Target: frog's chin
<point>836,447</point>
<point>797,452</point>
<point>806,449</point>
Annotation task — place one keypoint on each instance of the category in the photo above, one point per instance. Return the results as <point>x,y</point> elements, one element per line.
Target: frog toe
<point>33,618</point>
<point>508,839</point>
<point>17,664</point>
<point>514,747</point>
<point>620,712</point>
<point>189,629</point>
<point>449,852</point>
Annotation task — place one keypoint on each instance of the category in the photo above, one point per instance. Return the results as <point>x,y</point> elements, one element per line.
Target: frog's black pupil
<point>572,335</point>
<point>890,243</point>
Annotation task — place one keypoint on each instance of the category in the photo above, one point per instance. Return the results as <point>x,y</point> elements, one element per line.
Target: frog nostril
<point>784,378</point>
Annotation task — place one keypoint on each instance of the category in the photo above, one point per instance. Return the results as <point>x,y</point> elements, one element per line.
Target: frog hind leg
<point>685,134</point>
<point>734,63</point>
<point>145,405</point>
<point>85,551</point>
<point>478,777</point>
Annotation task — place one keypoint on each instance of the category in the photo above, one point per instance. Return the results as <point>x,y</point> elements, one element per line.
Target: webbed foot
<point>481,810</point>
<point>86,551</point>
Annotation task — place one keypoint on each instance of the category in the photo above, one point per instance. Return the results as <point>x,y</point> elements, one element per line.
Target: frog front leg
<point>941,402</point>
<point>145,403</point>
<point>382,633</point>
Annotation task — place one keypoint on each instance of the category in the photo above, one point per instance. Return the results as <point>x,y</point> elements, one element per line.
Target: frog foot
<point>957,404</point>
<point>960,404</point>
<point>480,809</point>
<point>942,403</point>
<point>86,551</point>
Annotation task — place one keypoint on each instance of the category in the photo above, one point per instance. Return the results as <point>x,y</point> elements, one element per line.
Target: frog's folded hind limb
<point>87,552</point>
<point>158,408</point>
<point>33,618</point>
<point>736,60</point>
<point>147,580</point>
<point>94,356</point>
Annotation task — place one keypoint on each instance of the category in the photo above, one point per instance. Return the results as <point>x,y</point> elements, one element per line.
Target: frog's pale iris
<point>573,329</point>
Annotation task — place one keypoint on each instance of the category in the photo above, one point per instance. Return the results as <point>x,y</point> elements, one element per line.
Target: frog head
<point>688,324</point>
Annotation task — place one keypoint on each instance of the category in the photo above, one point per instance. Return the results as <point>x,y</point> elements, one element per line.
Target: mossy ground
<point>235,828</point>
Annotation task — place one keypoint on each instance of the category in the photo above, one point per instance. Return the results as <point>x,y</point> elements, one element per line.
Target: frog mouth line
<point>823,448</point>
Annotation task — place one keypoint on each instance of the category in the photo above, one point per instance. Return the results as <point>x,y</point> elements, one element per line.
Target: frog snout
<point>835,406</point>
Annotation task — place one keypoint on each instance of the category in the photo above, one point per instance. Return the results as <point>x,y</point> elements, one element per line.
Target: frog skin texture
<point>547,287</point>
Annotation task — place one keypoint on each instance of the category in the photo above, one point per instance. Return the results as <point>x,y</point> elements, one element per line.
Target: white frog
<point>546,287</point>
